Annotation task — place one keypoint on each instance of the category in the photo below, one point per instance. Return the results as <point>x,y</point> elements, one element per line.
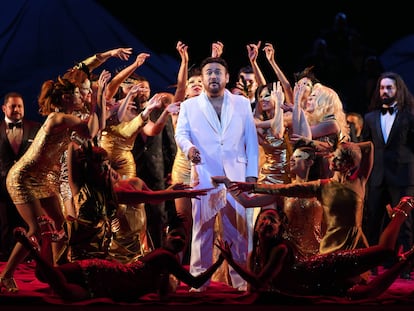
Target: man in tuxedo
<point>16,135</point>
<point>390,126</point>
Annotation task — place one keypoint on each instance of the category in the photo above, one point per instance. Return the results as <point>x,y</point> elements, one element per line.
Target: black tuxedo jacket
<point>393,160</point>
<point>7,155</point>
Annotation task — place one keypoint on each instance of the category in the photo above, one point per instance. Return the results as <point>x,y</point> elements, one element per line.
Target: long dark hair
<point>404,98</point>
<point>256,256</point>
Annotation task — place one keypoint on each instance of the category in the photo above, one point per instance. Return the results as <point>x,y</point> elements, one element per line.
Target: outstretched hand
<point>195,193</point>
<point>179,186</point>
<point>121,53</point>
<point>216,180</point>
<point>239,187</point>
<point>225,249</point>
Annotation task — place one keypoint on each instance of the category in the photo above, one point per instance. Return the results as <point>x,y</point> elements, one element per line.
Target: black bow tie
<point>384,110</point>
<point>18,125</point>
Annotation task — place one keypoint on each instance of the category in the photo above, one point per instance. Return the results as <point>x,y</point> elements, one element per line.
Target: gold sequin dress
<point>275,169</point>
<point>181,170</point>
<point>130,242</point>
<point>304,224</point>
<point>343,210</point>
<point>36,174</point>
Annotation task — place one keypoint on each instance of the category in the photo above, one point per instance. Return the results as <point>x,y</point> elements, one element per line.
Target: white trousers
<point>234,230</point>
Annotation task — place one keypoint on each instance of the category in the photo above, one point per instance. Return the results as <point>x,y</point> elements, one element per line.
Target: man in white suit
<point>216,131</point>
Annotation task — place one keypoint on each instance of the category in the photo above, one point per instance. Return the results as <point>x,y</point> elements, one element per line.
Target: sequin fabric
<point>36,174</point>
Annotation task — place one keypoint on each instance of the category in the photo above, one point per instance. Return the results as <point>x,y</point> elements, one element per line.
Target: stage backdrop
<point>41,39</point>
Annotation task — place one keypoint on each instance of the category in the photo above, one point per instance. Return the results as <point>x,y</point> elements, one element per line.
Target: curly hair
<point>51,95</point>
<point>351,154</point>
<point>404,98</point>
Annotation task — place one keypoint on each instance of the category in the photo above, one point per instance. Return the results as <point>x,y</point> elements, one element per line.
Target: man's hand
<point>194,155</point>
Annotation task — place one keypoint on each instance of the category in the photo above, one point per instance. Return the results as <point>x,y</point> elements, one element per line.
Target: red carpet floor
<point>35,295</point>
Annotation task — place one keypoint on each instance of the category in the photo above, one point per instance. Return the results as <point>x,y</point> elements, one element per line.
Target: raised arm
<point>287,88</point>
<point>165,101</point>
<point>100,99</point>
<point>182,76</point>
<point>217,49</point>
<point>300,125</point>
<point>124,104</point>
<point>277,124</point>
<point>98,59</point>
<point>116,81</point>
<point>253,52</point>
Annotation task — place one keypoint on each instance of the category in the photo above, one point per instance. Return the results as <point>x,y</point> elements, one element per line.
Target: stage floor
<point>34,294</point>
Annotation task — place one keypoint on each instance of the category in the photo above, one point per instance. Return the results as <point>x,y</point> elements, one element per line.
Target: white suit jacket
<point>229,147</point>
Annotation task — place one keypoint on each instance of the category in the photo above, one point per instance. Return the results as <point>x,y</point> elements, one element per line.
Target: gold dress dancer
<point>275,169</point>
<point>304,215</point>
<point>304,228</point>
<point>130,241</point>
<point>26,182</point>
<point>341,196</point>
<point>33,181</point>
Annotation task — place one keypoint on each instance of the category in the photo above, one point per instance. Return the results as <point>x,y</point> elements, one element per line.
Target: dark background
<point>291,26</point>
<point>41,39</point>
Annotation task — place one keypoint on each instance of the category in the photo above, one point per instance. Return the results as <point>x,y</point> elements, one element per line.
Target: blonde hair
<point>328,103</point>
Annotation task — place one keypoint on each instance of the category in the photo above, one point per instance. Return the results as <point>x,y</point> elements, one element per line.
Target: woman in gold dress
<point>131,240</point>
<point>188,85</point>
<point>97,191</point>
<point>304,215</point>
<point>33,182</point>
<point>342,196</point>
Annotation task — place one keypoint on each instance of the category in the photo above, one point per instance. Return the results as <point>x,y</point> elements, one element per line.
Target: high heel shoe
<point>8,285</point>
<point>48,229</point>
<point>408,255</point>
<point>32,245</point>
<point>405,206</point>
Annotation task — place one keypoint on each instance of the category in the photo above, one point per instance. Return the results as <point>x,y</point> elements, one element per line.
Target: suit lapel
<point>394,129</point>
<point>3,131</point>
<point>378,126</point>
<point>227,111</point>
<point>209,112</point>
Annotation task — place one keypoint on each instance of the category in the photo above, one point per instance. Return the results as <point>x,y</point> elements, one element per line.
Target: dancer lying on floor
<point>93,278</point>
<point>274,270</point>
<point>97,190</point>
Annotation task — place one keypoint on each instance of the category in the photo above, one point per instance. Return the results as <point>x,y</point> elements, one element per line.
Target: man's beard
<point>387,100</point>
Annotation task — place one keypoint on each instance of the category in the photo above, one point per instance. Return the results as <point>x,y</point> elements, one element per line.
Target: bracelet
<point>399,210</point>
